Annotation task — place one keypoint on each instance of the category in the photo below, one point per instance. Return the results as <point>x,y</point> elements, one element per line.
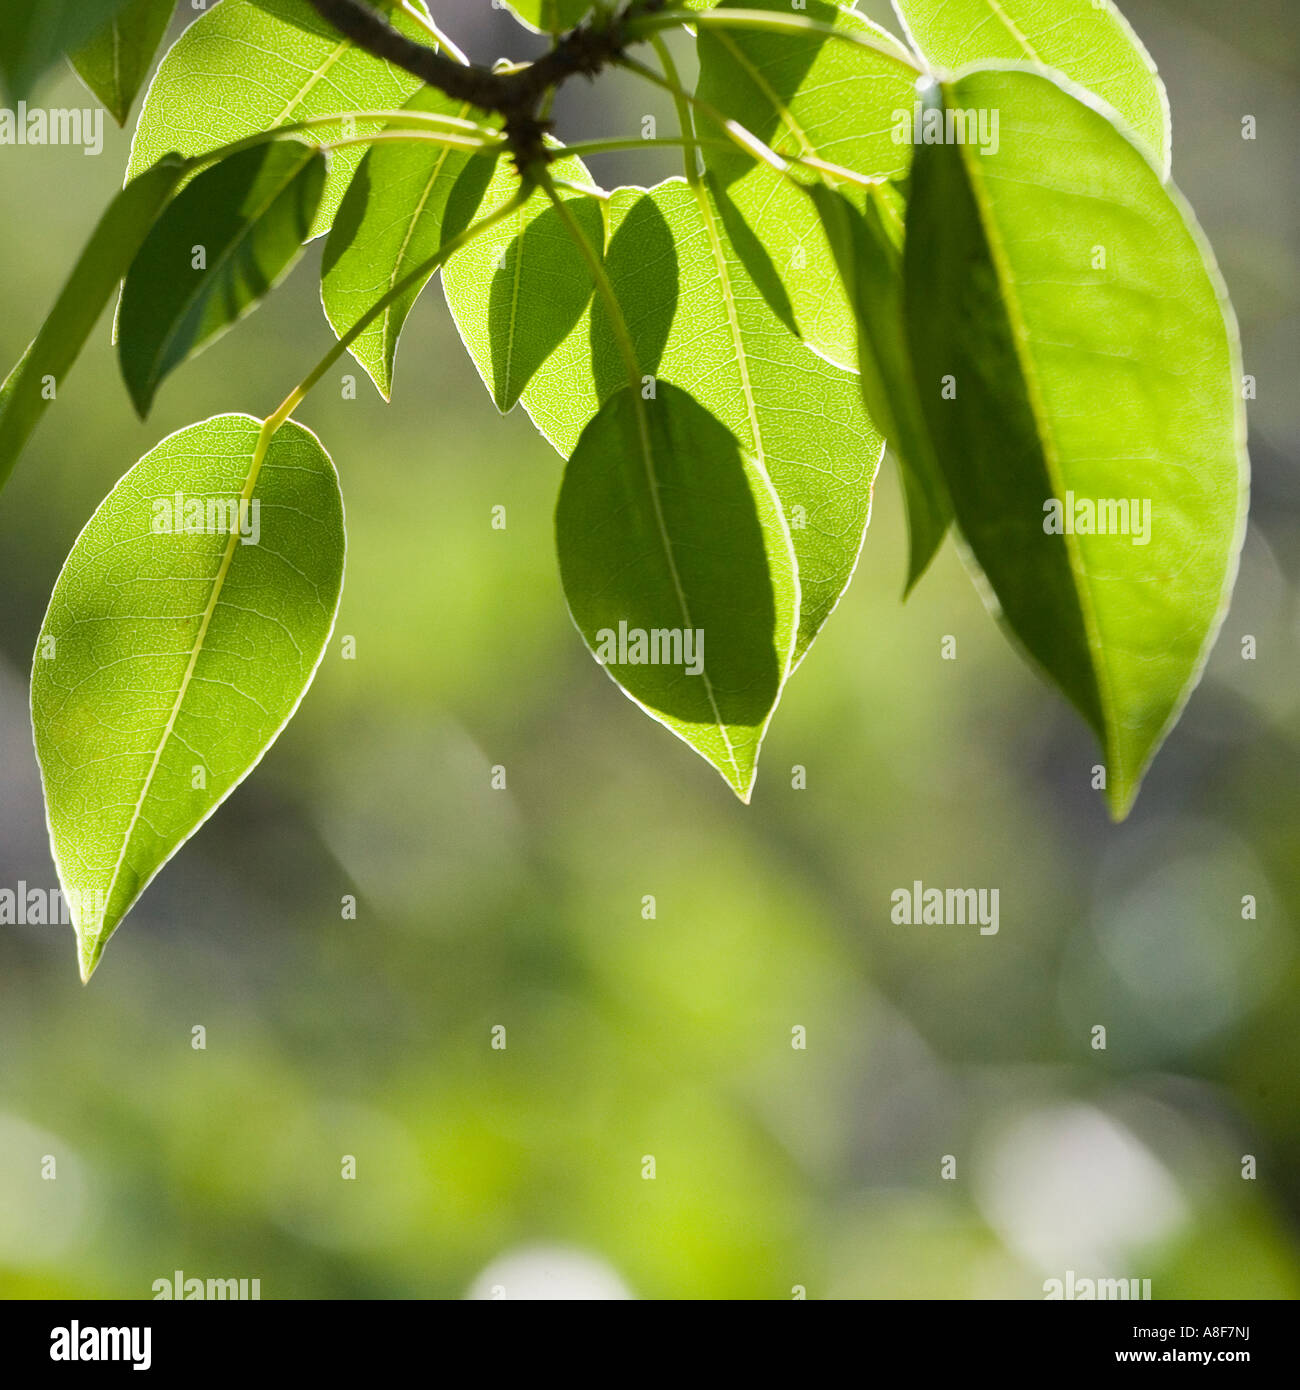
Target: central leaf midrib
<point>1013,29</point>
<point>218,583</point>
<point>301,95</point>
<point>443,155</point>
<point>652,480</point>
<point>117,67</point>
<point>733,321</point>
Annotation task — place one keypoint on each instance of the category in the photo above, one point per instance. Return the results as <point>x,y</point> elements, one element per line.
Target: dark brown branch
<point>516,95</point>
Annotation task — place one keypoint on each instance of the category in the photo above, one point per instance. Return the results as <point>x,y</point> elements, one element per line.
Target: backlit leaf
<point>669,537</point>
<point>34,33</point>
<point>1074,350</point>
<point>250,65</point>
<point>397,211</point>
<point>170,659</point>
<point>700,318</point>
<point>117,59</point>
<point>872,270</point>
<point>518,290</point>
<point>809,97</point>
<point>225,241</point>
<point>1087,40</point>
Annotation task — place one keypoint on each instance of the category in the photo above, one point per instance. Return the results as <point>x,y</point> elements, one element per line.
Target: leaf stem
<point>690,156</point>
<point>418,120</point>
<point>415,276</point>
<point>582,148</point>
<point>643,26</point>
<point>586,190</point>
<point>633,142</point>
<point>450,142</point>
<point>747,142</point>
<point>734,131</point>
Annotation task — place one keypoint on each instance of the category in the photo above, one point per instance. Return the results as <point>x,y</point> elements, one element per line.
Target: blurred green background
<point>775,1167</point>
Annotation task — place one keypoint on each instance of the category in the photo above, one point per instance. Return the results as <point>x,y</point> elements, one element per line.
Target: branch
<point>516,94</point>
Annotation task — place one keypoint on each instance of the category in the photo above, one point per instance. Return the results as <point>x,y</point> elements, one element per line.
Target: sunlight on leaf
<point>184,630</point>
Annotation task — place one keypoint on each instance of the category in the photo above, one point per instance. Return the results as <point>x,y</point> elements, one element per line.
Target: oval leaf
<point>251,65</point>
<point>184,630</point>
<point>1090,42</point>
<point>228,238</point>
<point>1077,362</point>
<point>679,574</point>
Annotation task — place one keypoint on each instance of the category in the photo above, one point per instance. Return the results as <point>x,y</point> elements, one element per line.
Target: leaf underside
<point>1066,298</point>
<point>793,92</point>
<point>169,660</point>
<point>403,203</point>
<point>249,215</point>
<point>116,60</point>
<point>1090,43</point>
<point>1032,318</point>
<point>664,527</point>
<point>251,65</point>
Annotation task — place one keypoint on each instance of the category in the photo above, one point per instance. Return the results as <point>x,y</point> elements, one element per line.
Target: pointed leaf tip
<point>678,570</point>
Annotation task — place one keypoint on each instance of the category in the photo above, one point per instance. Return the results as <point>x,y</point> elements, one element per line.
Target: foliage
<point>968,253</point>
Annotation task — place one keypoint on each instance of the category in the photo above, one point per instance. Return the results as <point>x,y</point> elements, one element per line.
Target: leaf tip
<point>1119,803</point>
<point>88,957</point>
<point>1121,794</point>
<point>141,393</point>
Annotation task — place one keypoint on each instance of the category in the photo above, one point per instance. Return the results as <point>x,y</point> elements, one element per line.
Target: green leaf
<point>700,318</point>
<point>170,660</point>
<point>33,34</point>
<point>805,97</point>
<point>251,65</point>
<point>872,270</point>
<point>117,59</point>
<point>801,419</point>
<point>664,528</point>
<point>398,210</point>
<point>1087,40</point>
<point>518,290</point>
<point>1067,297</point>
<point>112,247</point>
<point>244,220</point>
<point>549,16</point>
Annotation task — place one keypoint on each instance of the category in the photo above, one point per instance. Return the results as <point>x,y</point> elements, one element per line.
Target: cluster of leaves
<point>969,248</point>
